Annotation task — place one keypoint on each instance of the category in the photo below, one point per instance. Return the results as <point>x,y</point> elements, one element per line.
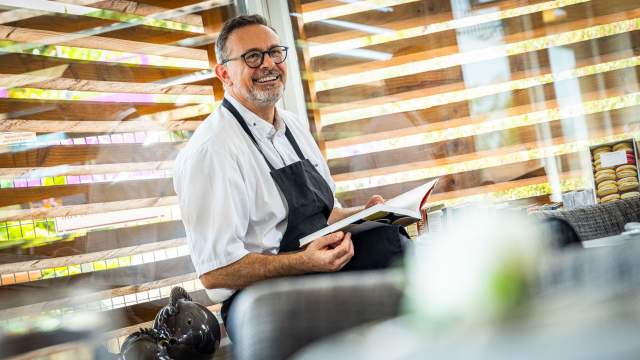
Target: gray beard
<point>267,97</point>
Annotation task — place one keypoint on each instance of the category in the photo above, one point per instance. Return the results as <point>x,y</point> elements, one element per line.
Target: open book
<point>403,209</point>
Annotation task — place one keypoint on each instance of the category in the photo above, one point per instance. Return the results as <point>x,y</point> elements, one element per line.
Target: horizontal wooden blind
<point>96,100</point>
<point>500,98</point>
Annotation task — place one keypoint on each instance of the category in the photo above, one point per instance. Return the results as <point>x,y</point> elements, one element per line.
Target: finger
<point>378,199</point>
<point>344,260</point>
<point>328,239</point>
<point>339,251</point>
<point>344,247</point>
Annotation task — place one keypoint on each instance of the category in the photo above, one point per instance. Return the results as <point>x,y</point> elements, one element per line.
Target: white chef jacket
<point>229,203</point>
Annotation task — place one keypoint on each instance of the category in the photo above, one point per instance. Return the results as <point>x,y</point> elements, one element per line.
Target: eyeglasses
<point>255,58</point>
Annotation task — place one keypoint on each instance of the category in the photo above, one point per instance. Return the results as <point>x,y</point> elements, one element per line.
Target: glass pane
<point>503,100</point>
<point>97,98</point>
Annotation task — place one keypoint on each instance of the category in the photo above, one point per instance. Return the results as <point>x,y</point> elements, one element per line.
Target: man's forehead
<point>252,37</point>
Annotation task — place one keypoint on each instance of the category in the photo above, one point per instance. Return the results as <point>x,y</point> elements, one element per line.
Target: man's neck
<point>266,113</point>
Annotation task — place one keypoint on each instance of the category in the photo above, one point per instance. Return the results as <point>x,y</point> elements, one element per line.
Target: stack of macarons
<point>619,182</point>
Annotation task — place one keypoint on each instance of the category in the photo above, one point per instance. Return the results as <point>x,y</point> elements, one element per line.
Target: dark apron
<point>310,202</point>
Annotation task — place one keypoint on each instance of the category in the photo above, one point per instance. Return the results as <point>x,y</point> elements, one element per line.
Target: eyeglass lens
<point>255,58</point>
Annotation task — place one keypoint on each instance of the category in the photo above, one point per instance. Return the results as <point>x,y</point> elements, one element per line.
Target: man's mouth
<point>267,79</point>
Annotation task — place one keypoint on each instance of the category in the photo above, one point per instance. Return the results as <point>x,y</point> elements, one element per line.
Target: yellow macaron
<point>629,183</point>
<point>622,146</point>
<point>604,175</point>
<point>599,150</point>
<point>607,189</point>
<point>598,167</point>
<point>629,194</point>
<point>610,198</point>
<point>627,173</point>
<point>627,167</point>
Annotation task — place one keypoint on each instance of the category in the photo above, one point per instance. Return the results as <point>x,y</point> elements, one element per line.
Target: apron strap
<point>246,129</point>
<point>293,142</point>
<point>243,124</point>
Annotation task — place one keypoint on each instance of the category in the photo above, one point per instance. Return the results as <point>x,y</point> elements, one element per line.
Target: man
<point>252,181</point>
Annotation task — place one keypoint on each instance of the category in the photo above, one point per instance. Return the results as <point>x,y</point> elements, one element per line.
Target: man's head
<point>242,43</point>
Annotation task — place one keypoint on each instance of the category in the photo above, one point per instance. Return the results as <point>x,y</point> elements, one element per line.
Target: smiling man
<point>252,181</point>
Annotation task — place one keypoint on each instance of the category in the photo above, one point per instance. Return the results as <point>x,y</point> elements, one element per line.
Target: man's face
<point>262,86</point>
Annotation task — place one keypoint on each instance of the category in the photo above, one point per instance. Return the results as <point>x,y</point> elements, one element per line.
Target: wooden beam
<point>40,264</point>
<point>46,37</point>
<point>61,83</point>
<point>87,193</point>
<point>463,122</point>
<point>37,172</point>
<point>38,308</point>
<point>477,156</point>
<point>458,91</point>
<point>327,9</point>
<point>21,63</point>
<point>443,149</point>
<point>444,57</point>
<point>44,126</point>
<point>93,208</point>
<point>98,240</point>
<point>58,288</point>
<point>60,155</point>
<point>141,9</point>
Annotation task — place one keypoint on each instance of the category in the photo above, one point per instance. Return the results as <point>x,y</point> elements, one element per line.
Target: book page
<point>405,205</point>
<point>412,198</point>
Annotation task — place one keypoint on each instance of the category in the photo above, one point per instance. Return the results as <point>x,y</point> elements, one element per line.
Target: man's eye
<point>276,52</point>
<point>252,56</point>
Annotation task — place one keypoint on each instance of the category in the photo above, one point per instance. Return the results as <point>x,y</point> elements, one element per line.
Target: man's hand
<point>375,200</point>
<point>329,253</point>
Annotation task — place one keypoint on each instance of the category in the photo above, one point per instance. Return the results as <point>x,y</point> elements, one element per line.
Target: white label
<point>615,158</point>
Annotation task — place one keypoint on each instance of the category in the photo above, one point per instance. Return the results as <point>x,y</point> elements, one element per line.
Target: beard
<point>266,95</point>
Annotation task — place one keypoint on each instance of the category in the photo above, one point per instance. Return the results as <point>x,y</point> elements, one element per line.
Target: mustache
<point>264,73</point>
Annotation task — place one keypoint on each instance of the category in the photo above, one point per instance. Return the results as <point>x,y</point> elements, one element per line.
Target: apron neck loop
<point>236,114</point>
<point>245,127</point>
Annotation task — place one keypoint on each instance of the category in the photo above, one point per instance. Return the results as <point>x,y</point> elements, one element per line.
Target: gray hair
<point>233,24</point>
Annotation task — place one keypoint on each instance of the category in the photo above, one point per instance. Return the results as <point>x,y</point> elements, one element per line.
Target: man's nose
<point>267,62</point>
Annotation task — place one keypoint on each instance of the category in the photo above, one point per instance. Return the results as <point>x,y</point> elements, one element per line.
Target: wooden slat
<point>57,155</point>
<point>438,56</point>
<point>84,298</point>
<point>362,196</point>
<point>597,123</point>
<point>461,122</point>
<point>93,208</point>
<point>454,92</point>
<point>63,287</point>
<point>46,37</point>
<point>87,193</point>
<point>28,172</point>
<point>89,257</point>
<point>141,9</point>
<point>426,24</point>
<point>43,126</point>
<point>81,110</point>
<point>22,63</point>
<point>106,86</point>
<point>81,8</point>
<point>475,156</point>
<point>338,8</point>
<point>97,241</point>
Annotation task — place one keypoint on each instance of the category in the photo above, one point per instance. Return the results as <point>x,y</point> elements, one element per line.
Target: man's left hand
<point>375,200</point>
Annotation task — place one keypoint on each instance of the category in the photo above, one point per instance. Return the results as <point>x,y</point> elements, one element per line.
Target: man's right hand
<point>329,253</point>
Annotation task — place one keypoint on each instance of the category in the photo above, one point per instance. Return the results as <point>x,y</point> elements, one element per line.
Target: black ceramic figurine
<point>146,344</point>
<point>193,330</point>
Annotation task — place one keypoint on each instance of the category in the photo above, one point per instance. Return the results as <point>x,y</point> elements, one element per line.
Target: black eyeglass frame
<point>262,53</point>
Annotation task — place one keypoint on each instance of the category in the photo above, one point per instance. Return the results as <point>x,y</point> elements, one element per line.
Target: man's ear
<point>223,74</point>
